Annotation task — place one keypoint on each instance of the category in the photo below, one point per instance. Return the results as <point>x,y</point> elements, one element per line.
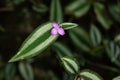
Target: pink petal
<point>53,32</point>
<point>61,31</point>
<point>55,25</point>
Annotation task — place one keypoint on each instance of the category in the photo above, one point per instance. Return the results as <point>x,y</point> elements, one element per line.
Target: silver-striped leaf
<point>70,65</point>
<point>37,41</point>
<point>26,71</point>
<point>78,7</point>
<point>62,50</point>
<point>95,35</point>
<point>89,75</point>
<point>116,78</point>
<point>101,17</point>
<point>56,11</point>
<point>80,38</point>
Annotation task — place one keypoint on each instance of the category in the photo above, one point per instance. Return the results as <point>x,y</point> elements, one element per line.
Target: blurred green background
<point>95,43</point>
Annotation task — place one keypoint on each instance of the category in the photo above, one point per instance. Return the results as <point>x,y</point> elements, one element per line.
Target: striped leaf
<point>113,51</point>
<point>115,11</point>
<point>78,7</point>
<point>38,41</point>
<point>116,78</point>
<point>56,11</point>
<point>89,75</point>
<point>10,71</point>
<point>62,50</point>
<point>68,25</point>
<point>26,71</point>
<point>70,65</point>
<point>95,35</point>
<point>102,18</point>
<point>80,38</point>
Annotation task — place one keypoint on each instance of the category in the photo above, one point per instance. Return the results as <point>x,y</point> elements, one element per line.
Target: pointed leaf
<point>115,11</point>
<point>80,38</point>
<point>70,65</point>
<point>26,71</point>
<point>88,74</point>
<point>56,11</point>
<point>113,51</point>
<point>116,78</point>
<point>102,18</point>
<point>10,71</point>
<point>38,41</point>
<point>68,25</point>
<point>62,50</point>
<point>78,7</point>
<point>95,35</point>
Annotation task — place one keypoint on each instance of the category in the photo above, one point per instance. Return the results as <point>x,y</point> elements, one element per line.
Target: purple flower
<point>57,29</point>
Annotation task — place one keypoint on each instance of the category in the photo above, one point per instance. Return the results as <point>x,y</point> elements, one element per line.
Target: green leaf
<point>26,71</point>
<point>80,38</point>
<point>102,18</point>
<point>56,11</point>
<point>70,65</point>
<point>78,7</point>
<point>38,41</point>
<point>68,25</point>
<point>115,11</point>
<point>62,50</point>
<point>10,71</point>
<point>116,78</point>
<point>117,38</point>
<point>90,75</point>
<point>95,35</point>
<point>113,51</point>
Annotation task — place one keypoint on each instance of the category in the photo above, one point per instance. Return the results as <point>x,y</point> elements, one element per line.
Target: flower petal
<point>61,31</point>
<point>55,25</point>
<point>53,32</point>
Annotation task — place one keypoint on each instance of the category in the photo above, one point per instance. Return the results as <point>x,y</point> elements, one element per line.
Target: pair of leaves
<point>82,40</point>
<point>81,7</point>
<point>78,7</point>
<point>71,65</point>
<point>66,56</point>
<point>38,41</point>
